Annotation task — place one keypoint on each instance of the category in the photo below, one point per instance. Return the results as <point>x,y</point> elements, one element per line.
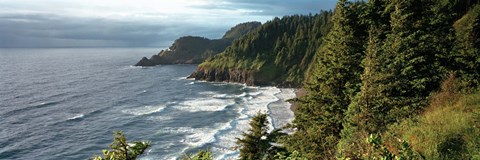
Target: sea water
<point>66,103</point>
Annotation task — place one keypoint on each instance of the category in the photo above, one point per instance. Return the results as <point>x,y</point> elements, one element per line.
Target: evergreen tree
<point>360,113</point>
<point>402,68</point>
<point>255,143</point>
<point>467,49</point>
<point>201,155</point>
<point>277,53</point>
<point>334,81</point>
<point>122,150</point>
<point>415,69</point>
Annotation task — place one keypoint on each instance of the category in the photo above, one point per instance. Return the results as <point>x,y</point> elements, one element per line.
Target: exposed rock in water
<point>145,62</point>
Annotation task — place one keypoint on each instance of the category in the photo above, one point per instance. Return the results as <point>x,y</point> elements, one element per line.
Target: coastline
<point>299,92</point>
<point>280,111</point>
<point>268,99</point>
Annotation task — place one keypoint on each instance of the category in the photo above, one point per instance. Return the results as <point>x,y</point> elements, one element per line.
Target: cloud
<point>140,23</point>
<point>274,7</point>
<point>49,30</point>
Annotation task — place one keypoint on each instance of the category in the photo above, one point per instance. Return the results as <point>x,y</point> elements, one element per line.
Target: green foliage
<point>378,150</point>
<point>241,30</point>
<point>295,155</point>
<point>194,49</point>
<point>467,49</point>
<point>122,150</point>
<point>370,68</point>
<point>406,47</point>
<point>400,74</point>
<point>283,48</point>
<point>200,155</point>
<point>336,77</point>
<point>312,143</point>
<point>447,130</point>
<point>256,142</point>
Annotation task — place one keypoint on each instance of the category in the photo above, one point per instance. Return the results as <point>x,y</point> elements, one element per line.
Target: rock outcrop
<point>224,75</point>
<point>145,62</point>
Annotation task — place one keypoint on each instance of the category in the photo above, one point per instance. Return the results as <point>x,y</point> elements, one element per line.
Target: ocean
<point>65,103</point>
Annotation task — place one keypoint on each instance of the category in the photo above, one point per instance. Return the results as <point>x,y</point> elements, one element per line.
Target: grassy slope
<point>448,129</point>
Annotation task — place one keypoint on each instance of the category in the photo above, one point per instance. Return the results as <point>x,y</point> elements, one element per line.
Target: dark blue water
<point>66,103</point>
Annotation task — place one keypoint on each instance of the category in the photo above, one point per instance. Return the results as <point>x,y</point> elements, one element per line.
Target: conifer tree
<point>122,150</point>
<point>467,49</point>
<point>200,155</point>
<point>255,143</point>
<point>415,69</point>
<point>335,80</point>
<point>401,69</point>
<point>360,112</point>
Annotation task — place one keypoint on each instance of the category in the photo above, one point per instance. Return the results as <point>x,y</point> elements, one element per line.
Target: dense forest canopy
<point>381,64</point>
<point>277,53</point>
<point>366,67</point>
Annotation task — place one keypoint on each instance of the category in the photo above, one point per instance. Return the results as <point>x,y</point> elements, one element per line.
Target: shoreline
<point>299,92</point>
<point>280,111</point>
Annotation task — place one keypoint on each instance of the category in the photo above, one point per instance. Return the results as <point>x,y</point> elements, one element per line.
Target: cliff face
<point>194,50</point>
<point>251,78</point>
<point>225,75</point>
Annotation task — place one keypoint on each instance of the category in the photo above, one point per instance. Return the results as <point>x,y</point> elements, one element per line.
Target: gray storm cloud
<point>25,25</point>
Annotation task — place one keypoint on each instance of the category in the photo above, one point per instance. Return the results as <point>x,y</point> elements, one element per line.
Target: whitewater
<point>66,103</point>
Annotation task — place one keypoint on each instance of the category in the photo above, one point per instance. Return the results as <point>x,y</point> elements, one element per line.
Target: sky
<point>134,23</point>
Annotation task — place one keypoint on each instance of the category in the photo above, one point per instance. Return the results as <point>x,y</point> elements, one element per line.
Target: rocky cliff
<point>225,75</point>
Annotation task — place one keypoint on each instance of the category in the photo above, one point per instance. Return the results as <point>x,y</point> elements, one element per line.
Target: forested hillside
<point>278,53</point>
<point>383,78</point>
<point>379,66</point>
<point>194,49</point>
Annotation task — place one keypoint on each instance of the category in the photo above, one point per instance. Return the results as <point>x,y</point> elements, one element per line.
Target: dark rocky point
<point>145,62</point>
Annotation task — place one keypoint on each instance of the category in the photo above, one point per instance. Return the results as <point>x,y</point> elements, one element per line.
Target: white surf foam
<point>266,99</point>
<point>200,137</point>
<point>160,118</point>
<point>197,137</point>
<point>219,84</point>
<point>180,78</point>
<point>76,117</point>
<point>222,137</point>
<point>208,93</point>
<point>204,104</point>
<point>134,67</point>
<point>144,110</point>
<point>260,100</point>
<point>256,100</point>
<point>280,111</point>
<point>229,96</point>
